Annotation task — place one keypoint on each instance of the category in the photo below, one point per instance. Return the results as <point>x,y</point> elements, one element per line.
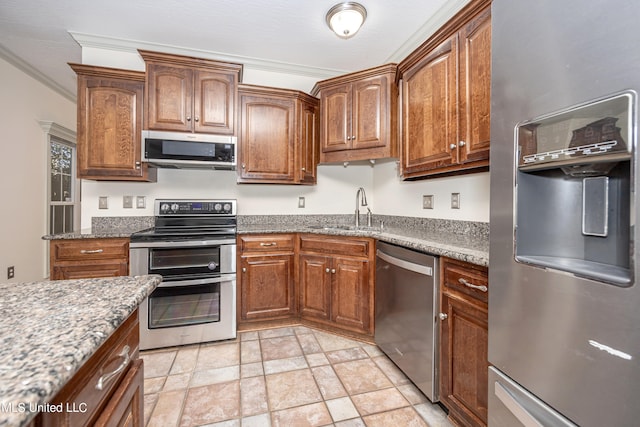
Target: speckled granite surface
<point>463,240</point>
<point>108,227</point>
<point>49,329</point>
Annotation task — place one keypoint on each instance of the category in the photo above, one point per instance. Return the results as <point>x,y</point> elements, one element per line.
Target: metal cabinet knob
<point>197,119</point>
<point>348,138</point>
<point>188,118</point>
<point>326,270</point>
<point>138,164</point>
<point>333,270</point>
<point>304,169</point>
<point>461,144</point>
<point>453,146</point>
<point>443,316</point>
<point>243,166</point>
<point>244,269</point>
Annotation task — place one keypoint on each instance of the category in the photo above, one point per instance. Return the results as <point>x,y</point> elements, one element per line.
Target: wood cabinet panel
<point>358,115</point>
<point>335,245</point>
<point>126,408</point>
<point>190,94</point>
<point>117,355</point>
<point>315,287</point>
<point>464,343</point>
<point>446,89</point>
<point>110,105</point>
<point>278,136</point>
<point>266,288</point>
<point>351,294</point>
<point>88,258</point>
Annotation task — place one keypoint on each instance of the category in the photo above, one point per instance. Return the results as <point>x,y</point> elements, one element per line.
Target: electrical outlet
<point>141,202</point>
<point>301,202</point>
<point>127,202</point>
<point>427,201</point>
<point>455,200</point>
<point>103,202</point>
<point>11,272</point>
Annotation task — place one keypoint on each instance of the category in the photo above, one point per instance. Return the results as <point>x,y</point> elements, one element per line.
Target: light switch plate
<point>127,202</point>
<point>141,202</point>
<point>427,201</point>
<point>455,200</point>
<point>301,202</point>
<point>103,202</point>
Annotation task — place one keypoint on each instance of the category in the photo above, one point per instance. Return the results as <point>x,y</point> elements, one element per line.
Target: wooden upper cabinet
<point>277,136</point>
<point>475,92</point>
<point>446,86</point>
<point>358,115</point>
<point>190,94</point>
<point>110,103</point>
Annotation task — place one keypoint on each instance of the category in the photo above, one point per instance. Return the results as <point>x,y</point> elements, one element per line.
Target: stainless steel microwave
<point>188,150</point>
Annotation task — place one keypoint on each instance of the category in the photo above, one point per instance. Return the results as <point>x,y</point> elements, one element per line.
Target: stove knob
<point>212,265</point>
<point>175,207</point>
<point>227,207</point>
<point>164,207</point>
<point>217,207</point>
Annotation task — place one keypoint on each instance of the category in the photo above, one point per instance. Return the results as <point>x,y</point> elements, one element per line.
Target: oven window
<point>184,305</point>
<point>185,260</point>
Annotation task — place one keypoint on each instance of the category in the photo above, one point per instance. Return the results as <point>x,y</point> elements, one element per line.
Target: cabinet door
<point>266,287</point>
<point>308,143</point>
<point>126,405</point>
<point>336,118</point>
<point>214,102</point>
<point>170,97</point>
<point>464,360</point>
<point>350,294</point>
<point>109,128</point>
<point>89,271</point>
<point>369,111</point>
<point>475,88</point>
<point>267,137</point>
<point>315,287</point>
<point>429,120</point>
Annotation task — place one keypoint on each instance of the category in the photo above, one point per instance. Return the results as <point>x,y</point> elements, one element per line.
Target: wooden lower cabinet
<point>336,282</point>
<point>319,280</point>
<point>119,400</point>
<point>266,279</point>
<point>464,341</point>
<point>88,258</point>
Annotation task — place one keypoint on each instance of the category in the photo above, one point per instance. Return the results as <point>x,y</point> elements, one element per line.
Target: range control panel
<point>209,207</point>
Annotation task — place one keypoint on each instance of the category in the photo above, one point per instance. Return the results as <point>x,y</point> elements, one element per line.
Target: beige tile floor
<point>292,376</point>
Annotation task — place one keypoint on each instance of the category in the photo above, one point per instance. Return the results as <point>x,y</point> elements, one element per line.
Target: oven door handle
<point>208,280</point>
<point>182,244</point>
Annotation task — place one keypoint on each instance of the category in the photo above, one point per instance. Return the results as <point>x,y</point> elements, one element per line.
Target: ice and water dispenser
<point>574,192</point>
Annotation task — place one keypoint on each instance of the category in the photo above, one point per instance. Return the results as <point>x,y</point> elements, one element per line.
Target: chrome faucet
<point>360,201</point>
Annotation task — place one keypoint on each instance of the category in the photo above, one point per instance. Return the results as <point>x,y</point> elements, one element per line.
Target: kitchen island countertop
<point>49,329</point>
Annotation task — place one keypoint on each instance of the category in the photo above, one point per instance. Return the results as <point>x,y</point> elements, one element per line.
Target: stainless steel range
<point>193,248</point>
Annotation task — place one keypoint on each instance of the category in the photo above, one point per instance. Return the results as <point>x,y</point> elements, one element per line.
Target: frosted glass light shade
<point>345,19</point>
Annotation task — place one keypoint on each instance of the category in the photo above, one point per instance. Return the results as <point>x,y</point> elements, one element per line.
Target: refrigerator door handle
<point>514,407</point>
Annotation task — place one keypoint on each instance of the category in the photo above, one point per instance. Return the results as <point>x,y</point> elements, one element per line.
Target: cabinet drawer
<point>466,278</point>
<point>266,243</point>
<point>89,249</point>
<point>88,391</point>
<point>336,245</point>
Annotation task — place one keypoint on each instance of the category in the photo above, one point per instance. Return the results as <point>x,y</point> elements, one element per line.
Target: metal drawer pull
<point>482,288</point>
<point>103,380</point>
<point>93,251</point>
<point>268,244</point>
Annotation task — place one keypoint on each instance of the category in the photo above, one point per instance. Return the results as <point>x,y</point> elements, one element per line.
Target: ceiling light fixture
<point>345,19</point>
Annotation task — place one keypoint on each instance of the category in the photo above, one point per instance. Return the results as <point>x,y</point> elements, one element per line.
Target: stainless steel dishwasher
<point>407,300</point>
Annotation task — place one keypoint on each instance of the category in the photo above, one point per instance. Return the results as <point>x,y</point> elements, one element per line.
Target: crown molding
<point>433,24</point>
<point>26,68</point>
<point>132,46</point>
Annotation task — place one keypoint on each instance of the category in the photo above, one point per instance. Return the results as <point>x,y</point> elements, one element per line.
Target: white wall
<point>23,169</point>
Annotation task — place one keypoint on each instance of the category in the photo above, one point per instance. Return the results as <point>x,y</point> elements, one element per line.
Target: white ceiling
<point>42,36</point>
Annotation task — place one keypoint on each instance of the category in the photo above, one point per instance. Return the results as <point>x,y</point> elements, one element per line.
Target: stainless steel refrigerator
<point>564,306</point>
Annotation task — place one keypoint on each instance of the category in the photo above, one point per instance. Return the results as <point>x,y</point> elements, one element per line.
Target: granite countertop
<point>49,329</point>
<point>461,244</point>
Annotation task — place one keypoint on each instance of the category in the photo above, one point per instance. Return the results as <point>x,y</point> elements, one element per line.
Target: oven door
<point>188,312</point>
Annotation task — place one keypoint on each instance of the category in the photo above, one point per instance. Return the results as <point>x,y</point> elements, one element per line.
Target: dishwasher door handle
<point>416,268</point>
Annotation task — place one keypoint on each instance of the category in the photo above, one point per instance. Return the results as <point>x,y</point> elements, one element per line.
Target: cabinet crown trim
<point>107,72</point>
<point>168,58</point>
<point>355,76</point>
